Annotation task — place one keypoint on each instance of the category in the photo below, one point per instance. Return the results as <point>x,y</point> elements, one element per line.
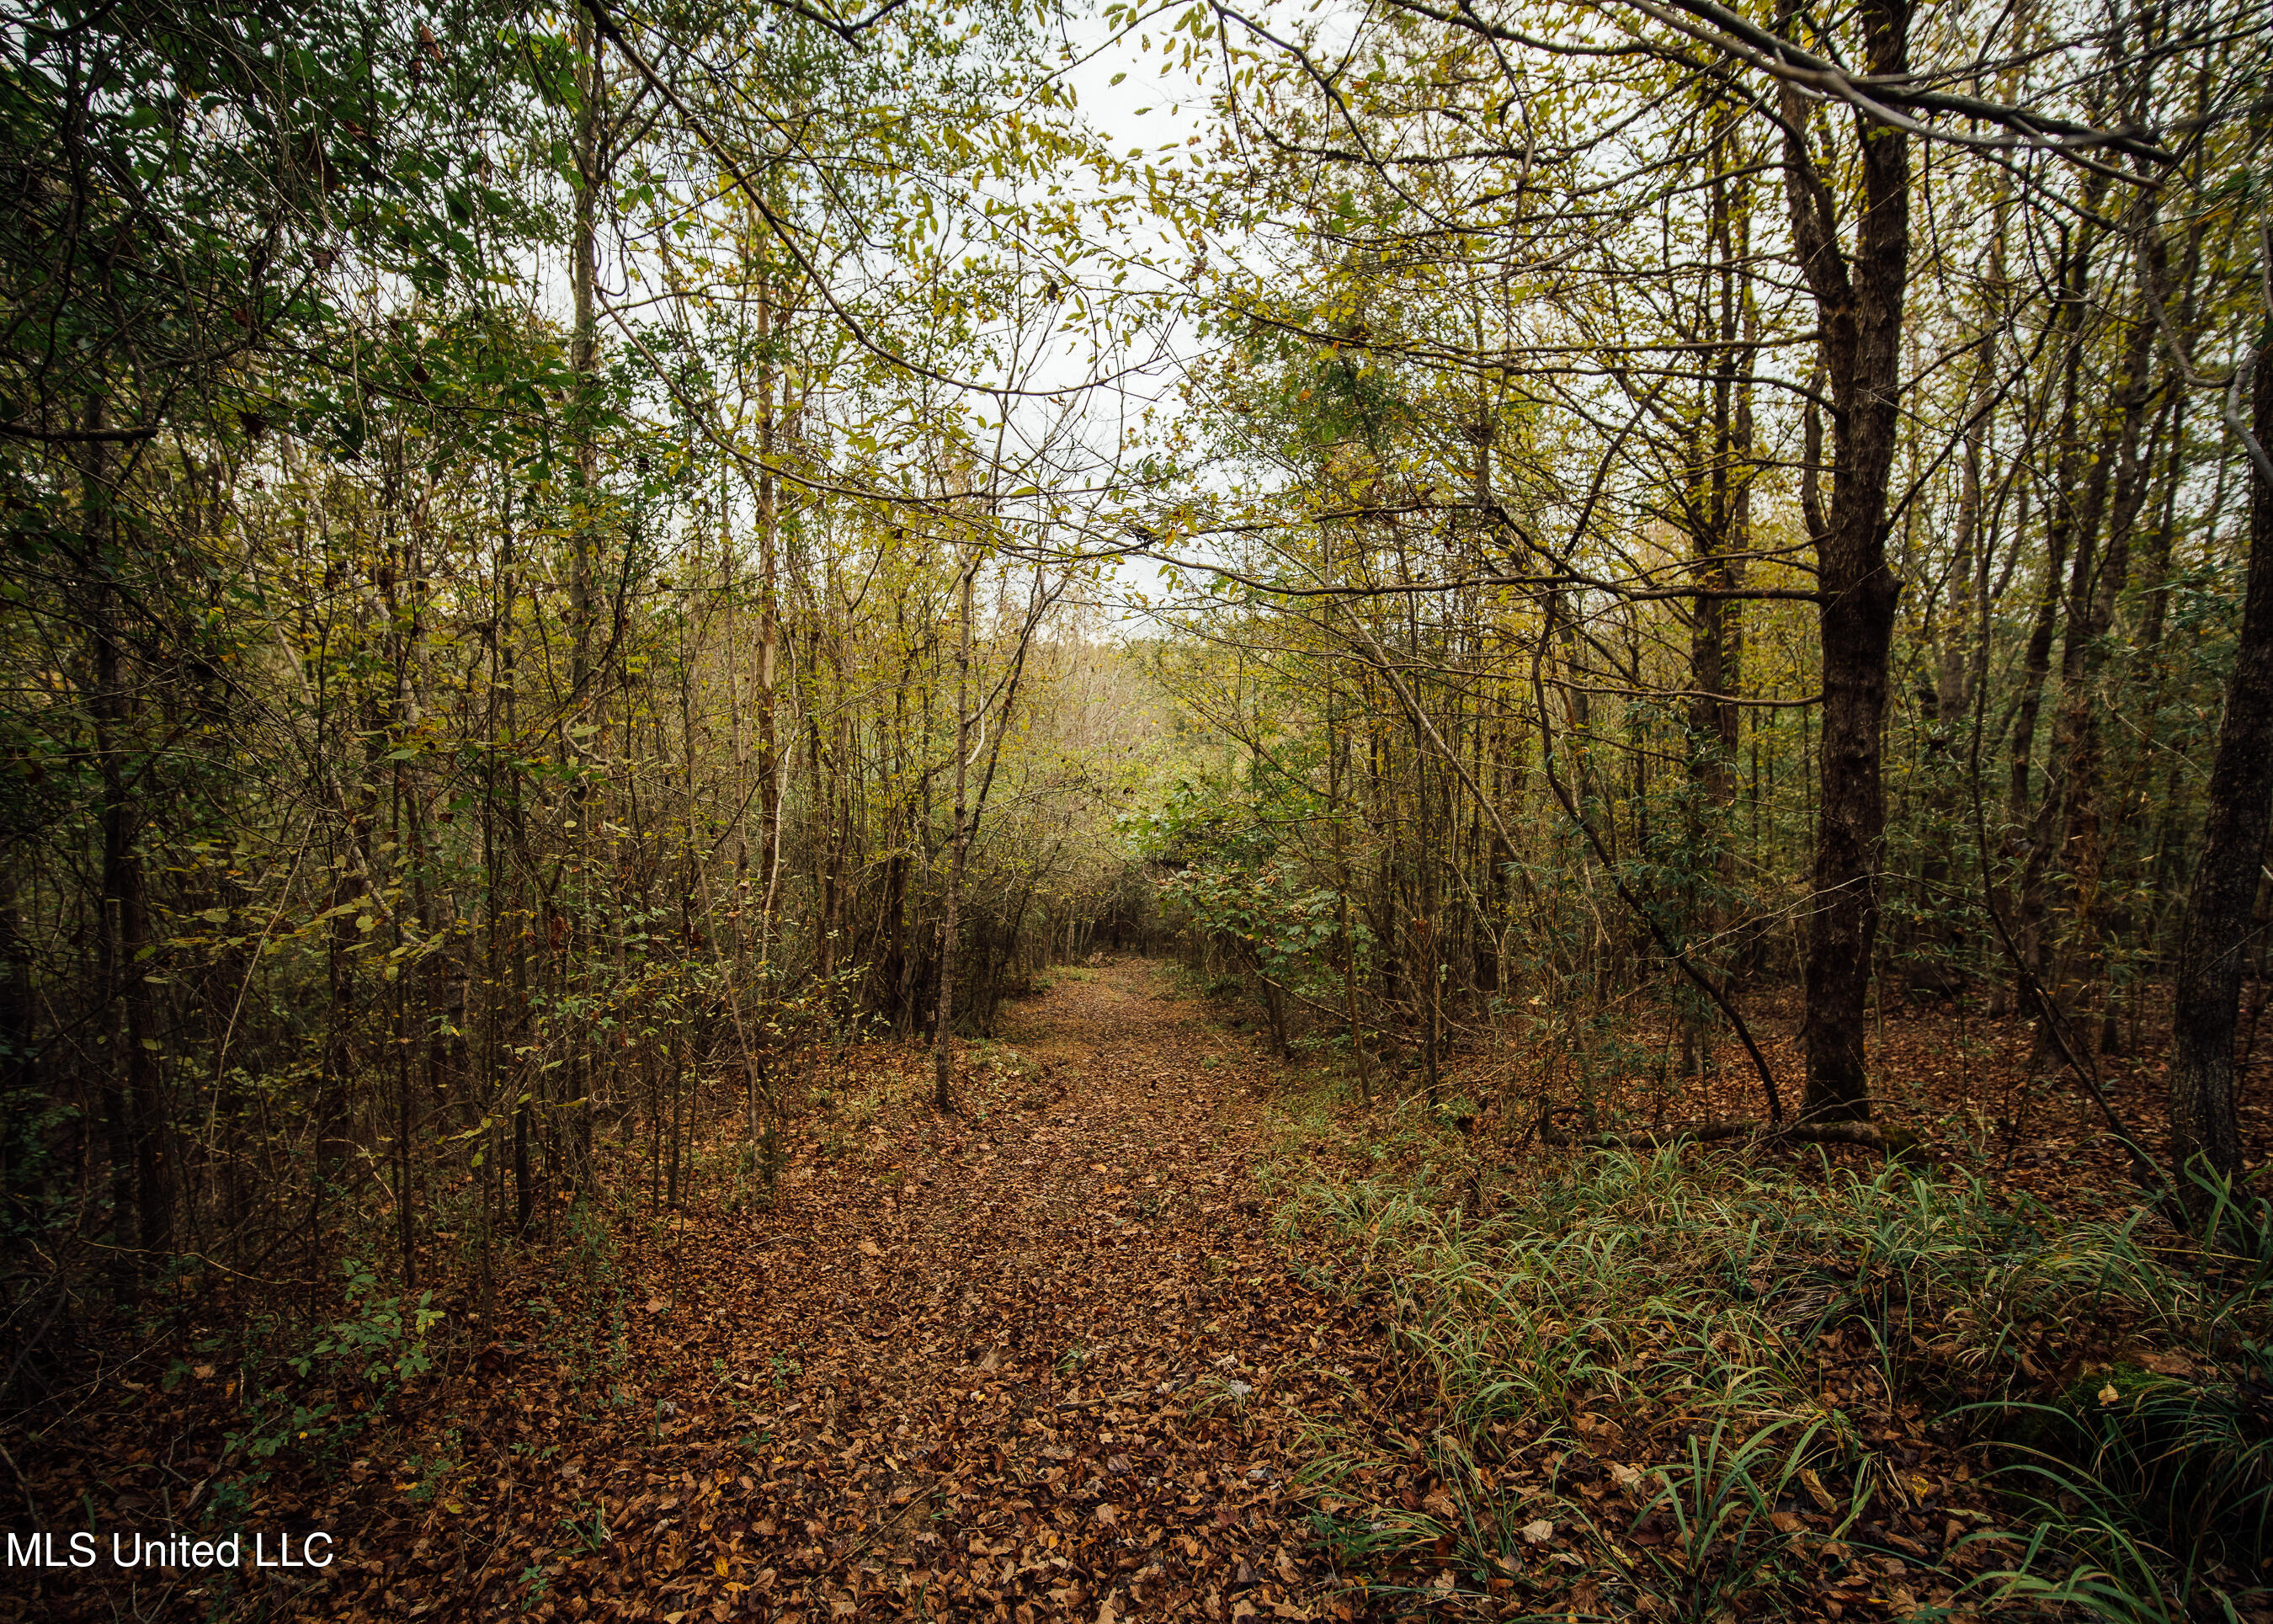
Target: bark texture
<point>1860,306</point>
<point>2220,911</point>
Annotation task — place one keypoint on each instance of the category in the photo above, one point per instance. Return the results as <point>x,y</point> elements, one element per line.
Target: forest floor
<point>1046,1357</point>
<point>1038,1359</point>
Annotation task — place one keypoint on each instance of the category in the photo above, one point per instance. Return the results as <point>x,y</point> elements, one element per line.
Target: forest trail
<point>1041,1359</point>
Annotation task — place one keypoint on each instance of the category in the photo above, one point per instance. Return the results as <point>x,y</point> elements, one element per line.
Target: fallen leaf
<point>1002,1314</point>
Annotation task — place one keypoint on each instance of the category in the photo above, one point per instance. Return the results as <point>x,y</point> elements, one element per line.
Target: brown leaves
<point>1052,1377</point>
<point>1005,1388</point>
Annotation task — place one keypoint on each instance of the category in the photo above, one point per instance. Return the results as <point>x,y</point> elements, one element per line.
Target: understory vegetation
<point>1692,1384</point>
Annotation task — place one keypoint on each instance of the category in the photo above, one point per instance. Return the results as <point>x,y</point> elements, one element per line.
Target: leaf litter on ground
<point>1051,1357</point>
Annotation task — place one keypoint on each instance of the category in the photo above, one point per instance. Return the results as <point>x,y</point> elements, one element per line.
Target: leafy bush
<point>349,1374</point>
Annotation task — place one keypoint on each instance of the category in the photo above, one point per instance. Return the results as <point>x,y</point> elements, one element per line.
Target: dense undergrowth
<point>1691,1386</point>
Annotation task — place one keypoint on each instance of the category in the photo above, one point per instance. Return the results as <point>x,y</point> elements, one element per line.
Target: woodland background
<point>564,567</point>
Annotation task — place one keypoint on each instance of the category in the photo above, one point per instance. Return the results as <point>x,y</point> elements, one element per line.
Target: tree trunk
<point>576,748</point>
<point>2204,1127</point>
<point>2078,964</point>
<point>1958,641</point>
<point>1861,311</point>
<point>1716,624</point>
<point>943,1057</point>
<point>132,1108</point>
<point>769,792</point>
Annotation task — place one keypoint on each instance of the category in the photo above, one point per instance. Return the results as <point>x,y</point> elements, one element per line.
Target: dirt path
<point>1033,1361</point>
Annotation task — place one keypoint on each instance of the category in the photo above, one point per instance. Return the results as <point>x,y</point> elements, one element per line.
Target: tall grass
<point>1699,1389</point>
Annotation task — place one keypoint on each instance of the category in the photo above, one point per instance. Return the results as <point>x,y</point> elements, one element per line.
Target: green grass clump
<point>1696,1387</point>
